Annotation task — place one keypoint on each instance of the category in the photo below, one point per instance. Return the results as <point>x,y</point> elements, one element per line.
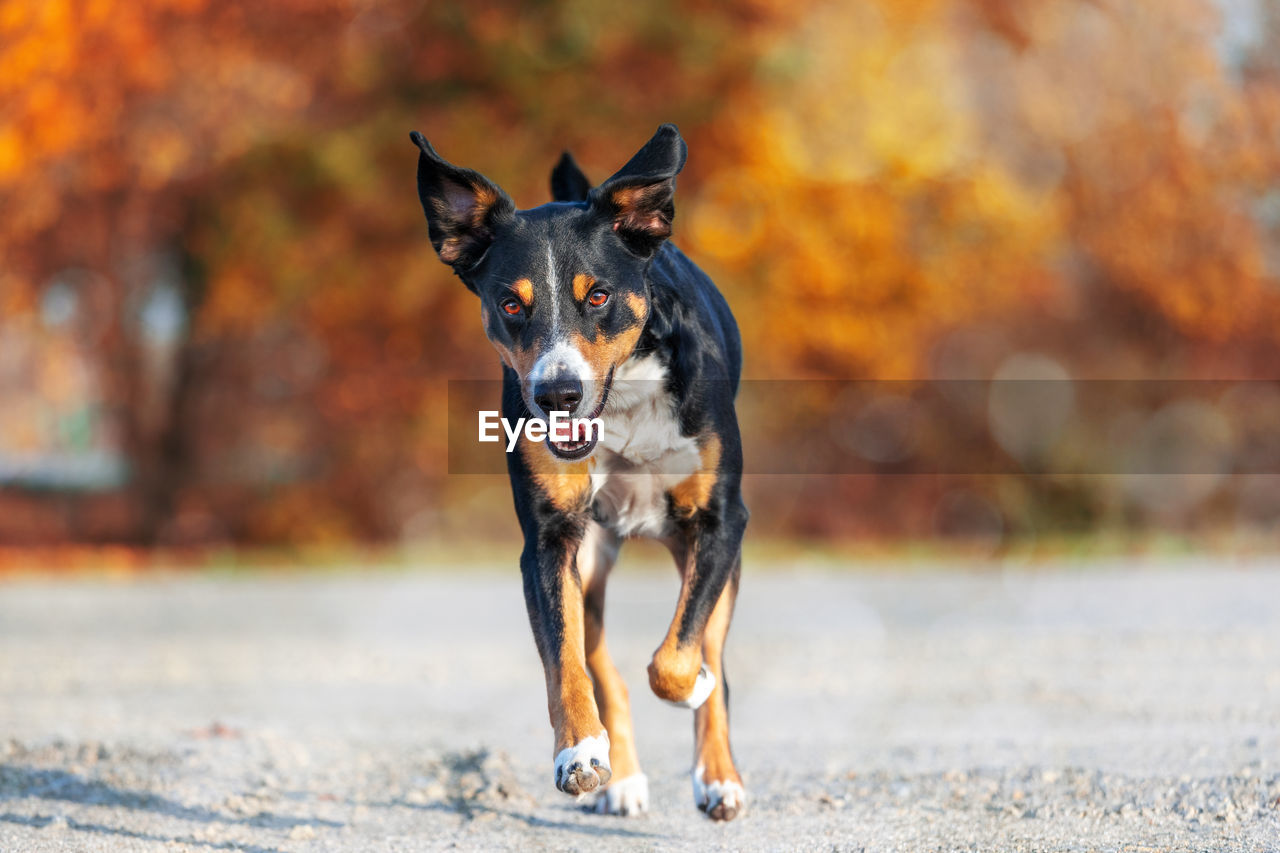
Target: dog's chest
<point>642,454</point>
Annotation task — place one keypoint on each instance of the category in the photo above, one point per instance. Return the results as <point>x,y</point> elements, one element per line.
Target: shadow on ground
<point>22,782</point>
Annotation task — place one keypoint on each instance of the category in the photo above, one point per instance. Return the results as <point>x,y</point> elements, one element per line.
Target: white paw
<point>584,766</point>
<point>629,796</point>
<point>720,800</point>
<point>702,687</point>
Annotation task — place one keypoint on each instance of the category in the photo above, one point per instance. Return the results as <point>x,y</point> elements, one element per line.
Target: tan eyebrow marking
<point>638,306</point>
<point>523,289</point>
<point>581,285</point>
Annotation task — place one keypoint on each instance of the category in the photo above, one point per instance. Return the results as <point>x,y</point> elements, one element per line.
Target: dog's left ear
<point>640,198</point>
<point>463,207</point>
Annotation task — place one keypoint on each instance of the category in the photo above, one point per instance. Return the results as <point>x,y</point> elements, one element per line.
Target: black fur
<point>568,183</point>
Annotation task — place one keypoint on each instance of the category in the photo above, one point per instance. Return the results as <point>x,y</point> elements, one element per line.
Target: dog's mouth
<point>584,439</point>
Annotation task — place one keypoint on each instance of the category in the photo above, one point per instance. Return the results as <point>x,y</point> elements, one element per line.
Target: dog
<point>595,313</point>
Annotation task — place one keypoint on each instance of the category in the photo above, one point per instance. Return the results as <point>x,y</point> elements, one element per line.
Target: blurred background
<point>222,325</point>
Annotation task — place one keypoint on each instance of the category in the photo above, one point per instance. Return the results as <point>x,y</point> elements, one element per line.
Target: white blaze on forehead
<point>562,360</point>
<point>551,288</point>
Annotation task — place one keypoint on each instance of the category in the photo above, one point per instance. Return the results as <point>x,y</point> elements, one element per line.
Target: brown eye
<point>511,306</point>
<point>597,298</point>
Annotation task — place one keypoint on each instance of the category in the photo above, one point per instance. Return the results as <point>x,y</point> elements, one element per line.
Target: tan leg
<point>692,666</point>
<point>628,792</point>
<point>717,787</point>
<point>676,673</point>
<point>581,741</point>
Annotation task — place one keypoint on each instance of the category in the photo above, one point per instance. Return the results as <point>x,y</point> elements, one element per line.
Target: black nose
<point>562,394</point>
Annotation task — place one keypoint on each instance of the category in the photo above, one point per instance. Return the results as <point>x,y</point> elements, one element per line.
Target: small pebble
<point>302,832</point>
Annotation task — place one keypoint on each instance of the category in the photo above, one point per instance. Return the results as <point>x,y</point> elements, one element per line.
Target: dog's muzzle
<point>583,438</point>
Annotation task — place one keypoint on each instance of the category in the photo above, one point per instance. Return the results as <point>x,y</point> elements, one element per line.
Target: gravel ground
<point>1107,707</point>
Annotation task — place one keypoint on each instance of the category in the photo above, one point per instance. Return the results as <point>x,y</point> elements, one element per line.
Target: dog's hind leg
<point>717,787</point>
<point>554,596</point>
<point>628,792</point>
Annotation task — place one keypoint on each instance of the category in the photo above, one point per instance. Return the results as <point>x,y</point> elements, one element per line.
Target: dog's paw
<point>629,796</point>
<point>583,767</point>
<point>702,687</point>
<point>720,799</point>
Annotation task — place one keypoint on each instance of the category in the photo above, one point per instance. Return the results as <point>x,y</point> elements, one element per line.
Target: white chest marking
<point>642,454</point>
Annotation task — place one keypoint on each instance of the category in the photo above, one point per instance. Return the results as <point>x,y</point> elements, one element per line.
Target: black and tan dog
<point>594,313</point>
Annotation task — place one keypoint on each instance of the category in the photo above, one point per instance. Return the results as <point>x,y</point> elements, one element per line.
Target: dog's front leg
<point>553,595</point>
<point>707,552</point>
<point>688,668</point>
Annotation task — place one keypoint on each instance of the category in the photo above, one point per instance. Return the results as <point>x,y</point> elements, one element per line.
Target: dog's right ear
<point>463,207</point>
<point>639,198</point>
<point>568,183</point>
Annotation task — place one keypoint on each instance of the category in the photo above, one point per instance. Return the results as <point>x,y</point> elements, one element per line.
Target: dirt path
<point>1105,708</point>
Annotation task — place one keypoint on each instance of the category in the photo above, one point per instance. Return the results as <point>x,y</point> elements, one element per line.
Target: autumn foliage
<point>217,285</point>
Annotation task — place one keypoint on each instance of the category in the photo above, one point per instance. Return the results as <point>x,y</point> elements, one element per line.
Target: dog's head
<point>563,295</point>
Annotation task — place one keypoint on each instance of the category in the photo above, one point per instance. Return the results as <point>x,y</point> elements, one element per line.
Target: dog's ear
<point>639,198</point>
<point>463,207</point>
<point>568,183</point>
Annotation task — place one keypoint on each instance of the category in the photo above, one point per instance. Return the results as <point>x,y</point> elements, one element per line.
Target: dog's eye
<point>597,298</point>
<point>511,306</point>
